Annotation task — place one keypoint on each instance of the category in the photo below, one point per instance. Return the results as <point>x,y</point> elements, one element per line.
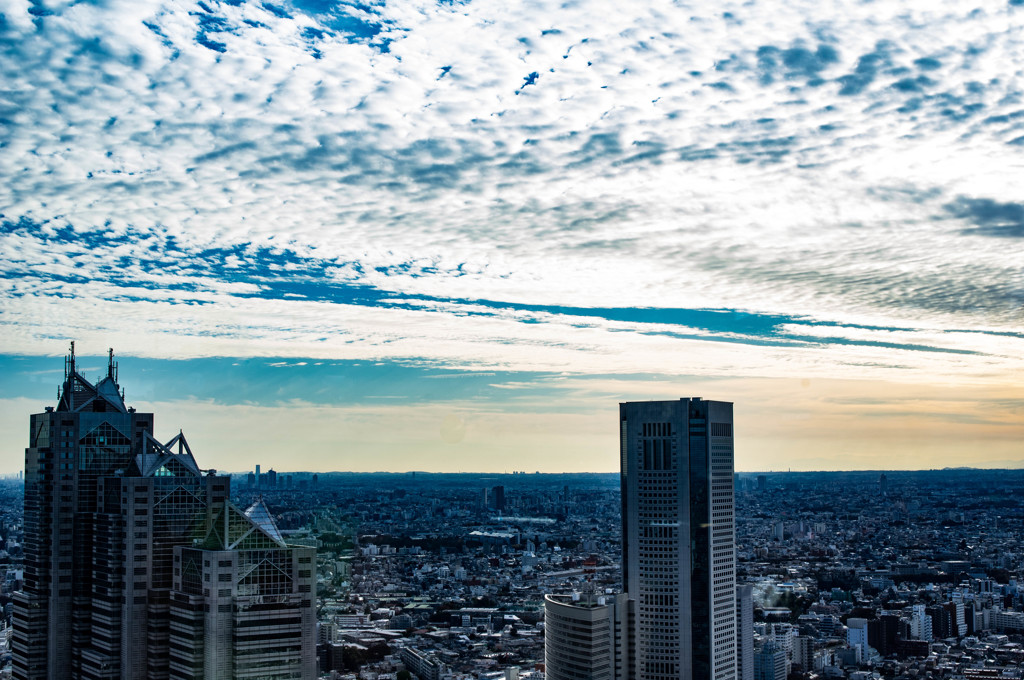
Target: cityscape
<point>132,561</point>
<point>537,340</point>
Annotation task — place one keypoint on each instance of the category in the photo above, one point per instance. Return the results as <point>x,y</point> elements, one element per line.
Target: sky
<point>453,236</point>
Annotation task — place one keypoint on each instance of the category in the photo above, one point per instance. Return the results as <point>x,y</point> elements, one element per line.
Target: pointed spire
<point>69,363</point>
<point>111,365</point>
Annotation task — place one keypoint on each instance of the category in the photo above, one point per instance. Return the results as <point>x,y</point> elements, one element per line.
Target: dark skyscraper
<point>498,498</point>
<point>89,437</point>
<point>106,505</point>
<point>678,538</point>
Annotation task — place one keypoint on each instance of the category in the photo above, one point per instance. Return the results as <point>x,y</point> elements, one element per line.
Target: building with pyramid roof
<point>242,605</point>
<point>108,508</point>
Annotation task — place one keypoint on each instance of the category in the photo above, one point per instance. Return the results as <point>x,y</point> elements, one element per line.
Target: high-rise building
<point>883,633</point>
<point>583,636</point>
<point>920,623</point>
<point>678,538</point>
<point>106,508</point>
<point>857,637</point>
<point>242,602</point>
<point>803,652</point>
<point>90,436</point>
<point>498,498</point>
<point>745,632</point>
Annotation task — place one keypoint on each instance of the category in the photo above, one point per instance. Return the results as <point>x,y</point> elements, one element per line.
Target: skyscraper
<point>678,538</point>
<point>90,436</point>
<point>107,506</point>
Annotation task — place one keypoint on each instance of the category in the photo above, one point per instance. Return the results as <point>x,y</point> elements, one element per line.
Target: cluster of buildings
<point>131,561</point>
<point>136,562</point>
<point>892,575</point>
<point>271,481</point>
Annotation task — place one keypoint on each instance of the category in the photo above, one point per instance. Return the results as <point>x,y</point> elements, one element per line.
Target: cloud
<point>989,217</point>
<point>534,186</point>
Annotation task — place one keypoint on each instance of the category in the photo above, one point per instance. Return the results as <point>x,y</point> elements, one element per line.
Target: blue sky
<point>452,236</point>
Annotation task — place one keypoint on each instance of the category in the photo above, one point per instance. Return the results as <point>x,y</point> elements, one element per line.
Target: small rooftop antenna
<point>69,362</point>
<point>111,366</point>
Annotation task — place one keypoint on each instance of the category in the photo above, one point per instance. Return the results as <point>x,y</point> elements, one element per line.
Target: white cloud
<point>695,155</point>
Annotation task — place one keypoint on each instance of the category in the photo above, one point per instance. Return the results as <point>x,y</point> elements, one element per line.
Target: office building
<point>106,508</point>
<point>242,603</point>
<point>678,538</point>
<point>423,664</point>
<point>583,636</point>
<point>770,662</point>
<point>803,652</point>
<point>90,435</point>
<point>745,632</point>
<point>498,498</point>
<point>883,633</point>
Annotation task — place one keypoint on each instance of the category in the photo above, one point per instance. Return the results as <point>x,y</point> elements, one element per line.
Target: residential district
<point>854,575</point>
<point>676,567</point>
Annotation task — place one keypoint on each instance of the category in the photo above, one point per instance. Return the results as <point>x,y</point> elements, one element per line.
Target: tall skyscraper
<point>106,508</point>
<point>88,437</point>
<point>678,538</point>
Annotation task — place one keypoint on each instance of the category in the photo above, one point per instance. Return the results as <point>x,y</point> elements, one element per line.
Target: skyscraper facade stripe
<point>678,538</point>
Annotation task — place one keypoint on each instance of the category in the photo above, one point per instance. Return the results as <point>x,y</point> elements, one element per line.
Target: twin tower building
<point>677,617</point>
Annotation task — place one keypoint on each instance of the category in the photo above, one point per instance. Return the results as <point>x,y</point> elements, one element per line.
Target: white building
<point>857,637</point>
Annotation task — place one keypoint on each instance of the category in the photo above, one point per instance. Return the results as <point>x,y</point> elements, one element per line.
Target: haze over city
<point>453,236</point>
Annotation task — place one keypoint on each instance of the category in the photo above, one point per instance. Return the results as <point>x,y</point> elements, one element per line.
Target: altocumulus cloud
<point>491,184</point>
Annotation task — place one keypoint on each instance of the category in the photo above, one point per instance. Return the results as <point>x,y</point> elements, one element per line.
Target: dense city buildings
<point>838,577</point>
<point>108,510</point>
<point>678,538</point>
